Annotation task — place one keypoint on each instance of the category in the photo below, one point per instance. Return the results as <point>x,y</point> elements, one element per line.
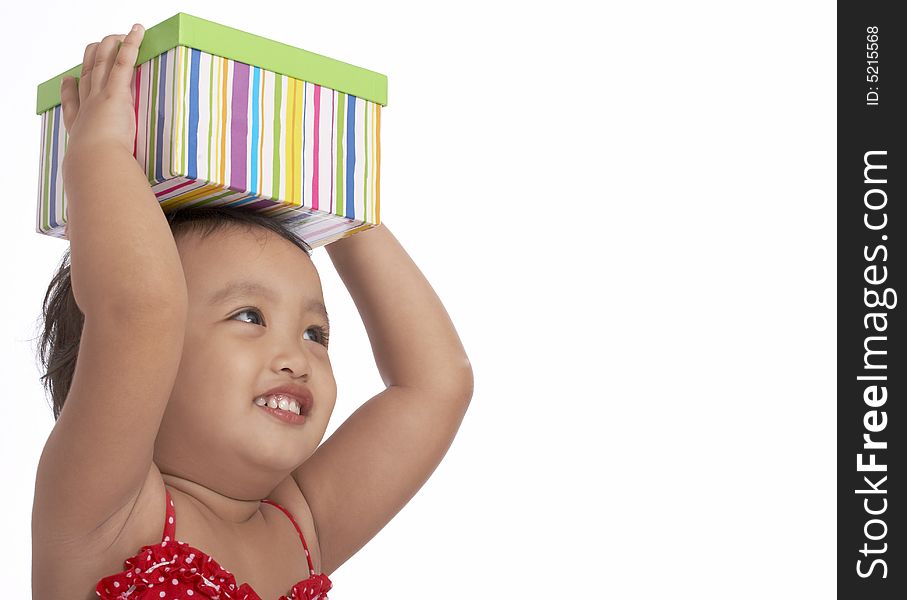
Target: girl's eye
<point>321,334</point>
<point>251,311</point>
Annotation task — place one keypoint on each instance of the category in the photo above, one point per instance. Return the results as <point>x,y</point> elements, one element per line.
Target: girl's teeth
<point>282,404</point>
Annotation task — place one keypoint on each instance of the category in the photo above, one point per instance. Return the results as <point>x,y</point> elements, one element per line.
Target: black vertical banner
<point>872,373</point>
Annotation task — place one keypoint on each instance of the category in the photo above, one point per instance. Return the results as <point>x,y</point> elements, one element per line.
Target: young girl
<point>187,357</point>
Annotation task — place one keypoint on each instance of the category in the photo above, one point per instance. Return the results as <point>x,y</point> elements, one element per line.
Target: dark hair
<point>62,320</point>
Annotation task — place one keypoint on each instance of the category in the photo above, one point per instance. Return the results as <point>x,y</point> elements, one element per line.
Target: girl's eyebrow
<point>240,288</point>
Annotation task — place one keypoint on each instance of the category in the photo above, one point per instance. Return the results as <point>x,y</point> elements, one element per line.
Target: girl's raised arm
<point>124,257</point>
<point>128,282</point>
<point>384,452</point>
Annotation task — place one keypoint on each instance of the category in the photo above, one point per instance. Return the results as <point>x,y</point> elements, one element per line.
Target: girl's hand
<point>99,110</point>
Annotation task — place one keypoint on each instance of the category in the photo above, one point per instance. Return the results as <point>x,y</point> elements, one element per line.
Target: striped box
<point>224,117</point>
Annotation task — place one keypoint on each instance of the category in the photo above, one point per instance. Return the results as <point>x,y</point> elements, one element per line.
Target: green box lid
<point>220,40</point>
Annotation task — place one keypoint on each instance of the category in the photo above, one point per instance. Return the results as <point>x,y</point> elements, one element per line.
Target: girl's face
<point>238,347</point>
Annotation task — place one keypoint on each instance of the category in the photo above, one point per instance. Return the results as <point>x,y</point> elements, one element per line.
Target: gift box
<point>225,117</point>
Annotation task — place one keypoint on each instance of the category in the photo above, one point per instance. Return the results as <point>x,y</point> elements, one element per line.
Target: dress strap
<point>301,537</point>
<point>169,520</point>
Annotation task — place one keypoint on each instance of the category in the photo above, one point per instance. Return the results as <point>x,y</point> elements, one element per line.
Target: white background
<point>629,215</point>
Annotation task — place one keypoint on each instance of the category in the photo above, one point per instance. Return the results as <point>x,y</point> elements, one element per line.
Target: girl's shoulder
<point>145,522</point>
<point>61,565</point>
<point>59,569</point>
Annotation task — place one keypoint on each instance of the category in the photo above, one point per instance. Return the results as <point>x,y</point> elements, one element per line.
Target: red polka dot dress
<point>174,570</point>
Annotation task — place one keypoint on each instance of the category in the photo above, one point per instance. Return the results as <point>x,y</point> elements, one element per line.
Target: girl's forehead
<point>228,235</point>
<point>236,247</point>
<point>222,258</point>
<point>254,287</point>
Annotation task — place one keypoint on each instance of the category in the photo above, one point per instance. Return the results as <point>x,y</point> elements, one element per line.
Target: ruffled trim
<point>178,565</point>
<point>173,564</point>
<point>315,587</point>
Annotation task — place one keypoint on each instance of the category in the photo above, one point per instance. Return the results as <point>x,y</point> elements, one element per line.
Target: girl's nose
<point>294,358</point>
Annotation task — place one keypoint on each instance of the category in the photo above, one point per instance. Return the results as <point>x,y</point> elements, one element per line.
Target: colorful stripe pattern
<point>213,131</point>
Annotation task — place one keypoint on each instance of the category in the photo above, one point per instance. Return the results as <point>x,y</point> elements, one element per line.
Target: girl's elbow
<point>461,382</point>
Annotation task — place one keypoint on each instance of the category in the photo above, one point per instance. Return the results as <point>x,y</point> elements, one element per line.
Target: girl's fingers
<point>103,60</point>
<point>124,64</point>
<point>69,99</point>
<point>85,75</point>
